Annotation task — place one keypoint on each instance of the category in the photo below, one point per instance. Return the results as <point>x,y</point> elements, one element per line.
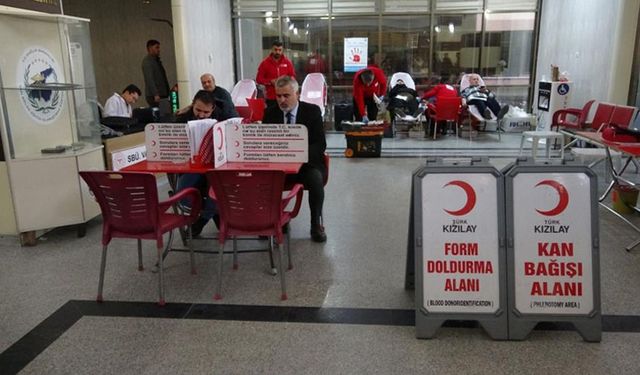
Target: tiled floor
<point>348,311</point>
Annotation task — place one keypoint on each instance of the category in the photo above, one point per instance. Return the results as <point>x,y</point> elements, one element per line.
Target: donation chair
<point>130,209</point>
<point>314,91</point>
<point>251,204</point>
<point>403,106</point>
<point>243,89</point>
<point>471,109</point>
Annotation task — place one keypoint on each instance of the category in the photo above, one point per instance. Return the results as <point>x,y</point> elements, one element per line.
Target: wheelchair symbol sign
<point>563,89</point>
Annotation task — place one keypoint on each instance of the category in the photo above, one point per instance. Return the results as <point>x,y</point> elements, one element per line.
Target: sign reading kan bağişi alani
<point>36,68</point>
<point>553,265</point>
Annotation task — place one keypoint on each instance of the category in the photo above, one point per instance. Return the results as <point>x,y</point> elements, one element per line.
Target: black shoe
<point>317,233</point>
<point>487,114</point>
<point>503,111</point>
<point>196,228</point>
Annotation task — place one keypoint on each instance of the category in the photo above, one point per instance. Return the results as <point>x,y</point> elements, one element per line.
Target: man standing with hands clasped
<point>292,111</point>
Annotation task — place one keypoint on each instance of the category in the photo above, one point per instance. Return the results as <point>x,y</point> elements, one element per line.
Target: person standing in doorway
<point>156,85</point>
<point>272,67</point>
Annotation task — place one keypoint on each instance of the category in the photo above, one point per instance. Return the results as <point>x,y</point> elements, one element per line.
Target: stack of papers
<point>196,130</point>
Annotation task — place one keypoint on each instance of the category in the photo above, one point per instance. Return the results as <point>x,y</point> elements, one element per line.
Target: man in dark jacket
<point>203,106</point>
<point>292,111</point>
<point>156,85</point>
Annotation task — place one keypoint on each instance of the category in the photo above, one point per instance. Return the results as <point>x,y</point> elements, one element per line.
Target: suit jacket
<point>310,116</point>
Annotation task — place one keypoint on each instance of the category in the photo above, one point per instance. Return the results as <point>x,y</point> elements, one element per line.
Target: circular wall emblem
<point>36,68</point>
<point>563,89</point>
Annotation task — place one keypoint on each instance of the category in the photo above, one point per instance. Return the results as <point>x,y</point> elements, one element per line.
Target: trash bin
<point>624,198</point>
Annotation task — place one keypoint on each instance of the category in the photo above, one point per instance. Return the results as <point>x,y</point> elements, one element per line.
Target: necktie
<point>206,148</point>
<point>289,117</point>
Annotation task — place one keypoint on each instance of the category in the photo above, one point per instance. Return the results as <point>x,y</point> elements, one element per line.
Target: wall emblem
<point>37,68</point>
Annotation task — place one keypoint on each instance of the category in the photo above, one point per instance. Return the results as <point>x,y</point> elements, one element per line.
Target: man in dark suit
<point>292,111</point>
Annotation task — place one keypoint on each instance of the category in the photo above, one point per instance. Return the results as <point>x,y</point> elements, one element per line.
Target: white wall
<point>204,44</point>
<point>593,41</point>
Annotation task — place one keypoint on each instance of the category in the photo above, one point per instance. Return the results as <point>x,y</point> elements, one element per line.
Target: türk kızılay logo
<point>36,68</point>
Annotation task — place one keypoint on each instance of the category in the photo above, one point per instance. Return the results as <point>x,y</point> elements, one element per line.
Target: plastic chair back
<point>244,111</point>
<point>314,91</point>
<point>405,77</point>
<point>622,115</point>
<point>245,88</point>
<point>128,201</point>
<point>446,109</point>
<point>257,109</point>
<point>248,201</point>
<point>602,115</point>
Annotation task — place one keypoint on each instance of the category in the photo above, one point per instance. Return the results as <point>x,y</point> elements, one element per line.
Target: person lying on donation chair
<point>482,98</point>
<point>290,110</point>
<point>402,100</point>
<point>203,106</point>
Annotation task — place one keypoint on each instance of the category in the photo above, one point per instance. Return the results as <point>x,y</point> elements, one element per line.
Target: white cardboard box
<point>519,124</point>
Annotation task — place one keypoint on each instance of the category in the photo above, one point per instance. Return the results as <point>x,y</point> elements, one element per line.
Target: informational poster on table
<point>355,54</point>
<point>275,143</point>
<point>552,243</point>
<point>460,256</point>
<point>167,142</point>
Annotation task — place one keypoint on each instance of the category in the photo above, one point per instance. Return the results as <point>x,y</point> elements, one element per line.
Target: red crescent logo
<point>153,143</point>
<point>237,154</point>
<point>151,127</point>
<point>237,144</point>
<point>471,198</point>
<point>155,154</point>
<point>221,138</point>
<point>235,127</point>
<point>563,200</point>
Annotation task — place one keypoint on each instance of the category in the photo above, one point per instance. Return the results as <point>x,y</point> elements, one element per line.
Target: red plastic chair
<point>602,116</point>
<point>130,209</point>
<point>251,204</point>
<point>445,109</point>
<point>573,118</point>
<point>622,115</point>
<point>257,109</point>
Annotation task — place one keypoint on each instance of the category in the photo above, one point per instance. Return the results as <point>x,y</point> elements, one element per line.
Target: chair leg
<point>218,295</point>
<point>283,284</point>
<point>288,245</point>
<point>435,128</point>
<point>274,270</point>
<point>235,253</point>
<point>161,301</point>
<point>140,266</point>
<point>192,257</point>
<point>103,263</point>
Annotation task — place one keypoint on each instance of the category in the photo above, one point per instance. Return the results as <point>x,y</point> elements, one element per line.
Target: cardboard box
<point>519,124</point>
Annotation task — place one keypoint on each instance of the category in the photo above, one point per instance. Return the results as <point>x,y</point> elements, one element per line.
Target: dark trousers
<point>370,106</point>
<point>490,103</point>
<point>312,179</point>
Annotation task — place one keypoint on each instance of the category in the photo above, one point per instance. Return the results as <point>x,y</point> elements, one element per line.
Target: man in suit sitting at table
<point>290,110</point>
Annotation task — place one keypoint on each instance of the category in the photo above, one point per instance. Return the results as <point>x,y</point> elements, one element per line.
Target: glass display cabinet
<point>49,122</point>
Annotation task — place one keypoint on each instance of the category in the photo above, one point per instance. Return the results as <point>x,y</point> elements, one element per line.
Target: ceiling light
<point>451,28</point>
<point>437,29</point>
